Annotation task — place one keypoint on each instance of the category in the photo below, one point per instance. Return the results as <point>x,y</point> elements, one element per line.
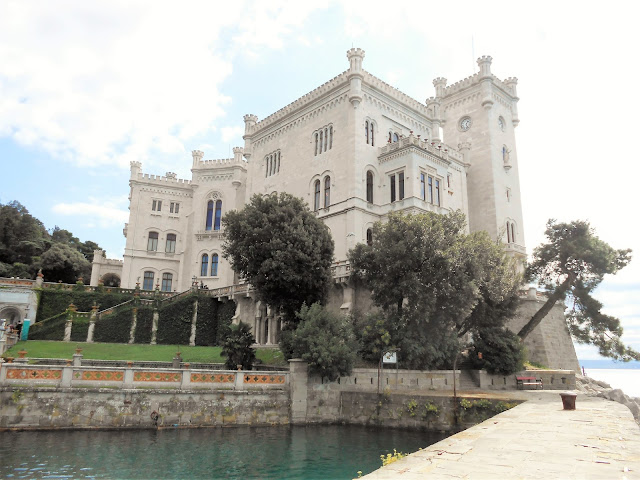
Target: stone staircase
<point>467,382</point>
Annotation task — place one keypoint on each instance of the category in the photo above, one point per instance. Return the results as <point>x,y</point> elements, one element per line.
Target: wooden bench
<point>521,382</point>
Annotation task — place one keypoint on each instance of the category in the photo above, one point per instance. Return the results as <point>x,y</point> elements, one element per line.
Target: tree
<point>432,281</point>
<point>237,347</point>
<point>324,340</point>
<point>570,266</point>
<point>63,263</point>
<point>502,351</point>
<point>282,249</point>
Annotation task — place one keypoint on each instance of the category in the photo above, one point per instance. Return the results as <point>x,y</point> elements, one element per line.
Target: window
<point>167,278</point>
<point>370,186</point>
<point>389,137</point>
<point>392,179</point>
<point>152,243</point>
<point>216,225</point>
<point>316,196</point>
<point>430,189</point>
<point>316,144</point>
<point>272,162</point>
<point>423,190</point>
<point>368,131</point>
<point>395,137</point>
<point>437,199</point>
<point>156,205</point>
<point>174,207</point>
<point>147,284</point>
<point>209,214</point>
<point>511,232</point>
<point>204,265</point>
<point>214,265</point>
<point>369,237</point>
<point>372,134</point>
<point>171,243</point>
<point>330,137</point>
<point>323,138</point>
<point>326,138</point>
<point>327,191</point>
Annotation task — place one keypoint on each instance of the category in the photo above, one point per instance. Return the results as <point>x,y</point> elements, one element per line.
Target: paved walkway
<point>535,440</point>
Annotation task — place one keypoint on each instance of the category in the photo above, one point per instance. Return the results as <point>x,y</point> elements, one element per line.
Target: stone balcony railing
<point>436,148</point>
<point>515,248</point>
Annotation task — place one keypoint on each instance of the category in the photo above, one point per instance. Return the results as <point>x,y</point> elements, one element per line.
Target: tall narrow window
<point>423,190</point>
<point>278,169</point>
<point>209,214</point>
<point>216,225</point>
<point>167,279</point>
<point>372,134</point>
<point>266,172</point>
<point>401,185</point>
<point>316,150</point>
<point>513,232</point>
<point>395,137</point>
<point>370,186</point>
<point>437,199</point>
<point>170,247</point>
<point>366,130</point>
<point>392,179</point>
<point>214,265</point>
<point>321,141</point>
<point>204,266</point>
<point>156,205</point>
<point>389,137</point>
<point>316,196</point>
<point>327,191</point>
<point>330,138</point>
<point>430,189</point>
<point>369,237</point>
<point>326,138</point>
<point>147,284</point>
<point>152,243</point>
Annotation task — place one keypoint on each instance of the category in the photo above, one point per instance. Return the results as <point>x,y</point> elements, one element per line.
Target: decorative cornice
<point>167,191</point>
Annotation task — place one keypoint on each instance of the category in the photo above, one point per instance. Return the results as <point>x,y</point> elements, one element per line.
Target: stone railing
<point>436,148</point>
<point>366,379</point>
<point>72,376</point>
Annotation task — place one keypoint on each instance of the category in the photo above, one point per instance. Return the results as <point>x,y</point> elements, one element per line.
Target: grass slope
<point>123,351</point>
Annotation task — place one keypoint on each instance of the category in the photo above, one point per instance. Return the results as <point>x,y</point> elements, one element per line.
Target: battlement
<point>296,105</point>
<point>161,179</point>
<point>395,93</point>
<point>436,148</point>
<point>219,161</point>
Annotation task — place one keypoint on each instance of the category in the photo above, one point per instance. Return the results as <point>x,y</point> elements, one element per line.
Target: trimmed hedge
<point>226,311</point>
<point>207,326</point>
<point>174,327</point>
<point>53,302</point>
<point>114,328</point>
<point>144,325</point>
<point>79,330</point>
<point>52,329</point>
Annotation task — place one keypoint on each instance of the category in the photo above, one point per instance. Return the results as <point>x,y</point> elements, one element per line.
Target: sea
<point>625,376</point>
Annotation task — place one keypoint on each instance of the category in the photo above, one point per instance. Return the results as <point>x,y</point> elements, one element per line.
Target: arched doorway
<point>110,280</point>
<point>11,314</point>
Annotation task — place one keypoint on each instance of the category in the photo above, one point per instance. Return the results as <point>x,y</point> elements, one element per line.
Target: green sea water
<point>299,452</point>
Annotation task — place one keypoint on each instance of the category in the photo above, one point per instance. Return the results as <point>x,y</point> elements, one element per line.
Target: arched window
<point>316,195</point>
<point>216,225</point>
<point>321,141</point>
<point>316,145</point>
<point>214,265</point>
<point>330,137</point>
<point>327,191</point>
<point>366,130</point>
<point>395,137</point>
<point>513,232</point>
<point>369,237</point>
<point>370,186</point>
<point>326,138</point>
<point>167,279</point>
<point>204,266</point>
<point>170,247</point>
<point>147,283</point>
<point>209,214</point>
<point>278,167</point>
<point>372,134</point>
<point>152,243</point>
<point>389,137</point>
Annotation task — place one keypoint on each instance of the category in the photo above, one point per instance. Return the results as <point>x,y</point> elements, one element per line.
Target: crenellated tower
<point>479,114</point>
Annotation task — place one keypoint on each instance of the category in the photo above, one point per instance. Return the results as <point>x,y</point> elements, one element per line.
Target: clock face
<point>501,123</point>
<point>465,124</point>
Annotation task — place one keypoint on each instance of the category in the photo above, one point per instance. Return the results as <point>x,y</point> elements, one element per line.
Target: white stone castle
<point>355,149</point>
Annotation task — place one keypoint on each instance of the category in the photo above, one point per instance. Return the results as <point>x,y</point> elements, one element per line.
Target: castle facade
<point>355,149</point>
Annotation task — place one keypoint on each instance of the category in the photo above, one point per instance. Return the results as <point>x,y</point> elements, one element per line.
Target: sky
<point>87,87</point>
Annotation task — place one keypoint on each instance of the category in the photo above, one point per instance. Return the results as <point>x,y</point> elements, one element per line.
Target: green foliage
<point>373,335</point>
<point>411,406</point>
<point>79,329</point>
<point>52,329</point>
<point>570,266</point>
<point>433,283</point>
<point>282,249</point>
<point>431,410</point>
<point>63,262</point>
<point>144,325</point>
<point>53,302</point>
<point>226,311</point>
<point>237,347</point>
<point>207,325</point>
<point>391,457</point>
<point>502,351</point>
<point>115,327</point>
<point>174,326</point>
<point>324,340</point>
<point>501,406</point>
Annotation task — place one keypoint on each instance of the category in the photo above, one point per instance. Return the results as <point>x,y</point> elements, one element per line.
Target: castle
<point>355,149</point>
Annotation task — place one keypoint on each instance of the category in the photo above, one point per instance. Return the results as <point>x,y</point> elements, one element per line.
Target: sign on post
<point>389,357</point>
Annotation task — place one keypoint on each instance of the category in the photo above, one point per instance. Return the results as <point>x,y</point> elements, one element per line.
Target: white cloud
<point>102,214</point>
<point>232,133</point>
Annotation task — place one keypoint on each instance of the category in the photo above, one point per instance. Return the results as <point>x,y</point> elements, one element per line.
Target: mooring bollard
<point>568,400</point>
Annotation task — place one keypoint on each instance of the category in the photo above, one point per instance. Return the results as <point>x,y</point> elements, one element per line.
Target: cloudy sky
<point>86,87</point>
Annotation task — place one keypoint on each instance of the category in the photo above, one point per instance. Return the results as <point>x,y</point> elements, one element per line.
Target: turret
<point>197,157</point>
<point>250,121</point>
<point>136,168</point>
<point>355,56</point>
<point>511,84</point>
<point>237,154</point>
<point>440,83</point>
<point>486,78</point>
<point>433,104</point>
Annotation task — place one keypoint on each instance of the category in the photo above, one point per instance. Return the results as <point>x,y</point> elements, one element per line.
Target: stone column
<point>67,376</point>
<point>134,323</point>
<point>239,383</point>
<point>71,310</point>
<point>92,323</point>
<point>298,378</point>
<point>154,326</point>
<point>127,381</point>
<point>194,320</point>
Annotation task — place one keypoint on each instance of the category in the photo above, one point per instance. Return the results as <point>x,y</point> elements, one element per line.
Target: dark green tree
<point>237,347</point>
<point>501,349</point>
<point>324,340</point>
<point>431,278</point>
<point>570,266</point>
<point>282,249</point>
<point>64,263</point>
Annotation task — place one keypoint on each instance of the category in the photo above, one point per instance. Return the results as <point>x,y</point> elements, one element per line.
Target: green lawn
<point>123,351</point>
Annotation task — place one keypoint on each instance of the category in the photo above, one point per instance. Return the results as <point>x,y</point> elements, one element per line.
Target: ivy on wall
<point>174,326</point>
<point>52,329</point>
<point>144,325</point>
<point>53,302</point>
<point>226,311</point>
<point>114,328</point>
<point>79,329</point>
<point>207,325</point>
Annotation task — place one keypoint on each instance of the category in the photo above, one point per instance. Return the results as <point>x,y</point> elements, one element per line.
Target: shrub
<point>114,328</point>
<point>324,340</point>
<point>502,351</point>
<point>372,335</point>
<point>174,327</point>
<point>237,347</point>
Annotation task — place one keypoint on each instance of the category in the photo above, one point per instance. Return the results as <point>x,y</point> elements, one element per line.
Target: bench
<point>521,382</point>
